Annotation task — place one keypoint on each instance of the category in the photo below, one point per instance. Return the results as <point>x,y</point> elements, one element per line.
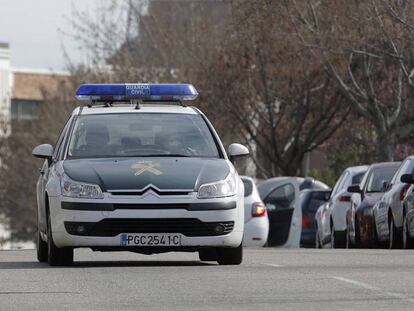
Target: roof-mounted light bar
<point>140,91</point>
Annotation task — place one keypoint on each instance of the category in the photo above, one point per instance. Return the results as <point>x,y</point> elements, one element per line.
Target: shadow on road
<point>100,264</point>
<point>139,263</point>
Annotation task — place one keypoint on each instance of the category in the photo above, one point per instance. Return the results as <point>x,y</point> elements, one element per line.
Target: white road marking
<point>274,265</point>
<point>373,288</point>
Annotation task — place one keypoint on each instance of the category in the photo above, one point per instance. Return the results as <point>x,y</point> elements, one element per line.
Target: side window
<point>59,143</point>
<point>281,198</point>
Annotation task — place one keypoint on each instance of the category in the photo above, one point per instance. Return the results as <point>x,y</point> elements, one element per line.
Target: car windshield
<point>377,178</point>
<point>141,135</point>
<point>248,187</point>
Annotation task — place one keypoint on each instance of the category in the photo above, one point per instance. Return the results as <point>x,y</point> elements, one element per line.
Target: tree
<point>366,51</point>
<point>20,170</point>
<point>284,104</point>
<point>256,86</point>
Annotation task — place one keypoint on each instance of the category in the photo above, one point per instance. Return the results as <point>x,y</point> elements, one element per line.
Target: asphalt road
<point>269,279</point>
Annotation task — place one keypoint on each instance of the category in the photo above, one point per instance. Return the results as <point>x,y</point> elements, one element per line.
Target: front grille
<point>115,226</point>
<point>93,206</point>
<point>139,193</point>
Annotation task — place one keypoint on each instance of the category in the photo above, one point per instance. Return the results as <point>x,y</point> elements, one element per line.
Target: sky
<point>33,28</point>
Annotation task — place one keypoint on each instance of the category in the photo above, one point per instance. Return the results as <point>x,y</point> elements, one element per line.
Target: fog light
<point>219,229</point>
<point>81,229</point>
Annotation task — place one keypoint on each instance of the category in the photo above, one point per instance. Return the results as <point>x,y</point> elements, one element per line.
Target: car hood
<point>138,173</point>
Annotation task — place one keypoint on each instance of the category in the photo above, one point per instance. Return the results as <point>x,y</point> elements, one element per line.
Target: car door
<point>285,214</point>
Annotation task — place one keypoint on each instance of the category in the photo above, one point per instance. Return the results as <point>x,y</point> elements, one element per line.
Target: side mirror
<point>407,178</point>
<point>384,185</point>
<point>354,189</point>
<point>327,195</point>
<point>44,151</point>
<point>237,150</point>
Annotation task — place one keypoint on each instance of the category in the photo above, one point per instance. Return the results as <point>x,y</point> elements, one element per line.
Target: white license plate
<point>150,239</point>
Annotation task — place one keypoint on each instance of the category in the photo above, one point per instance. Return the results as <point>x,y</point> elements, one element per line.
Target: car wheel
<point>357,238</point>
<point>348,243</point>
<point>317,240</point>
<point>57,256</point>
<point>408,242</point>
<point>208,254</point>
<point>41,248</point>
<point>338,239</point>
<point>332,236</point>
<point>375,240</point>
<point>230,256</point>
<point>393,236</point>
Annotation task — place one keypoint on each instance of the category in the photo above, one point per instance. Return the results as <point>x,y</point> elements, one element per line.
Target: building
<point>22,90</point>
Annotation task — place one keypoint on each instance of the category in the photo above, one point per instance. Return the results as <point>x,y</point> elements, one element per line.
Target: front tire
<point>41,248</point>
<point>57,256</point>
<point>230,256</point>
<point>393,235</point>
<point>348,240</point>
<point>376,243</point>
<point>408,242</point>
<point>338,238</point>
<point>318,243</point>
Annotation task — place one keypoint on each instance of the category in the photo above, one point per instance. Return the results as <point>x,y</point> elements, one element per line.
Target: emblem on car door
<point>146,166</point>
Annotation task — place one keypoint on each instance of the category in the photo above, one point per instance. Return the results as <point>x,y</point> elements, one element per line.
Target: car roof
<point>145,108</point>
<point>385,164</point>
<point>357,169</point>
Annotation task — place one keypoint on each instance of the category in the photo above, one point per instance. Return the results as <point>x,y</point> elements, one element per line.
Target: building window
<point>24,109</point>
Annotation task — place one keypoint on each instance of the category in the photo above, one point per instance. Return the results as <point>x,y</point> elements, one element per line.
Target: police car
<point>136,170</point>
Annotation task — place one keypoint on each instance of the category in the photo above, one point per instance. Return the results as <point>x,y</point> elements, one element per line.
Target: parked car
<point>256,222</point>
<point>359,217</point>
<point>281,197</point>
<point>331,216</point>
<point>310,200</point>
<point>388,212</point>
<point>408,212</point>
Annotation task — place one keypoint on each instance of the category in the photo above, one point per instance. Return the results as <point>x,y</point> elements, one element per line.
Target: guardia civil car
<point>136,170</point>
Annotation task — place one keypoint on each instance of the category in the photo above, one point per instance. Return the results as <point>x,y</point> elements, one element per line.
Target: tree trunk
<point>385,145</point>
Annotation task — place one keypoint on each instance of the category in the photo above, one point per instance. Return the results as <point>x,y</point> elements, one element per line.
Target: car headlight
<point>75,189</point>
<point>218,189</point>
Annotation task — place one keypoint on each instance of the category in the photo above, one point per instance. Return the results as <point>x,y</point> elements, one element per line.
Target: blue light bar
<point>143,91</point>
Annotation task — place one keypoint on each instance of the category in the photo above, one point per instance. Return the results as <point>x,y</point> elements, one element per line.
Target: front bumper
<point>141,211</point>
<point>256,231</point>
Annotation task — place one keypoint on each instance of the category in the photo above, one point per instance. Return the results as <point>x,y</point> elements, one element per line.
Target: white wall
<point>5,90</point>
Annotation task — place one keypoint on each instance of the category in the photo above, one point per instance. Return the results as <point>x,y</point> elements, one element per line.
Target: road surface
<point>269,279</point>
